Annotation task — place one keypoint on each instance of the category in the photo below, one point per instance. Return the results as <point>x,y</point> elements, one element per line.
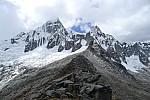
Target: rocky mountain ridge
<point>52,42</point>
<point>54,34</point>
<point>88,75</point>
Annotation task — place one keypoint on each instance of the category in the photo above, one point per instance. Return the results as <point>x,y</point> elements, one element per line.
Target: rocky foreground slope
<point>89,75</point>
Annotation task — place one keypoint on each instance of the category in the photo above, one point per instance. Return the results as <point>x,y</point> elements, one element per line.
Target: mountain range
<point>51,48</point>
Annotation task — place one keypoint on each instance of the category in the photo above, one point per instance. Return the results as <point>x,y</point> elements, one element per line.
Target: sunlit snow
<point>41,56</point>
<point>133,63</point>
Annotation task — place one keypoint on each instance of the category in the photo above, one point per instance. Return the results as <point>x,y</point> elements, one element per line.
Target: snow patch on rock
<point>133,63</point>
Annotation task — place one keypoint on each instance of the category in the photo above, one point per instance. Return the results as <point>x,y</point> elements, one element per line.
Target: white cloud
<point>120,18</point>
<point>10,23</point>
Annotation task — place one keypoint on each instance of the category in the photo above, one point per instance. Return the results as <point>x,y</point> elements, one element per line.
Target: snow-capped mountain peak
<point>52,41</point>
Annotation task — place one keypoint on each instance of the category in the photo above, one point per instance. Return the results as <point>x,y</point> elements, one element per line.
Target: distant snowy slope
<point>133,63</point>
<point>37,48</point>
<point>37,58</point>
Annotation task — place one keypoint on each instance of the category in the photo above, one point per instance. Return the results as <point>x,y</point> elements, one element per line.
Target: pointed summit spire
<point>57,19</point>
<point>98,29</point>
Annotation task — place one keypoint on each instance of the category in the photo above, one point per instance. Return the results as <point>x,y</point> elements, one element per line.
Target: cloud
<point>137,26</point>
<point>124,19</point>
<point>80,26</point>
<point>10,23</point>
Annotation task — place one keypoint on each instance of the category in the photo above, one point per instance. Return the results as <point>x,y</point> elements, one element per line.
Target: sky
<point>126,20</point>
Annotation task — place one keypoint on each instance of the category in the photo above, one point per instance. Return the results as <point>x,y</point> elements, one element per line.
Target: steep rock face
<point>117,68</point>
<point>51,34</point>
<point>121,51</point>
<point>55,35</point>
<point>121,81</point>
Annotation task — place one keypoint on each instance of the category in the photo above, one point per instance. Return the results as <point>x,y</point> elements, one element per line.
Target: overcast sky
<point>126,20</point>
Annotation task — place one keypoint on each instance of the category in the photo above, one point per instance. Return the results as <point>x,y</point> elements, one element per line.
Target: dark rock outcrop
<point>60,48</point>
<point>6,49</point>
<point>76,86</point>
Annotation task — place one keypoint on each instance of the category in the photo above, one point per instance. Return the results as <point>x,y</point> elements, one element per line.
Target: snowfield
<point>133,63</point>
<point>17,62</point>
